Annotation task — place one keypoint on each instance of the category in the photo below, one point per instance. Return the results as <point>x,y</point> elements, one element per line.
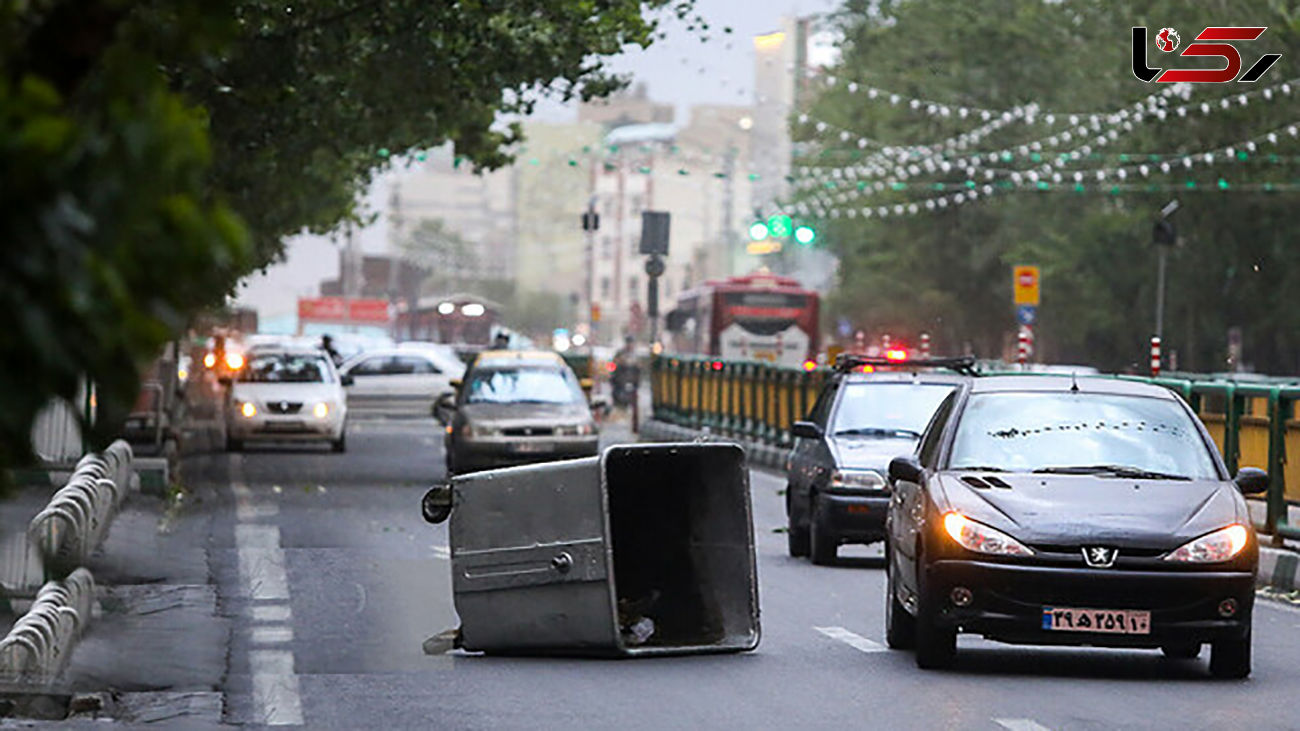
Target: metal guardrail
<point>41,641</point>
<point>1251,420</point>
<point>56,433</point>
<point>78,516</point>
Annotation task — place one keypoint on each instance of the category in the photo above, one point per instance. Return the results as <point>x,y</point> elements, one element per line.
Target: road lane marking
<point>1020,724</point>
<point>271,635</point>
<point>852,639</point>
<point>276,697</point>
<point>276,694</point>
<point>269,613</point>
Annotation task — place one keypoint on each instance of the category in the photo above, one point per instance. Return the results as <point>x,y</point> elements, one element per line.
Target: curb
<point>1279,569</point>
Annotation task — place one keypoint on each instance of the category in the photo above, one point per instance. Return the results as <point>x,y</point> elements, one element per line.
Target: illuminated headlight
<point>576,430</point>
<point>247,409</point>
<point>980,538</point>
<point>320,410</point>
<point>864,479</point>
<point>1220,545</point>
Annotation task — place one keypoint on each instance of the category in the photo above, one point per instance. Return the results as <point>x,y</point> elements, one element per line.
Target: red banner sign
<point>341,310</point>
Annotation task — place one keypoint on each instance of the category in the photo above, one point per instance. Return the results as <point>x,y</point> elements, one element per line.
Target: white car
<point>405,381</point>
<point>287,395</point>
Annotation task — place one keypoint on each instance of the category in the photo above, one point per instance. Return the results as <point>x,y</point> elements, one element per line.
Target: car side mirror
<point>1251,481</point>
<point>806,430</point>
<point>346,379</point>
<point>435,506</point>
<point>444,406</point>
<point>905,469</point>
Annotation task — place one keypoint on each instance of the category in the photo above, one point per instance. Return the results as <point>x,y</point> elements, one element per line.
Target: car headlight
<point>246,408</point>
<point>1220,545</point>
<point>576,430</point>
<point>320,410</point>
<point>470,431</point>
<point>981,538</point>
<point>864,479</point>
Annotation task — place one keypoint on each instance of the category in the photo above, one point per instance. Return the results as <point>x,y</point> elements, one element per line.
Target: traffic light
<point>758,231</point>
<point>780,226</point>
<point>805,235</point>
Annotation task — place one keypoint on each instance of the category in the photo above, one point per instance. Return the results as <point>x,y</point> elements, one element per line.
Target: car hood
<point>1074,510</point>
<point>304,392</point>
<point>517,414</point>
<point>870,453</point>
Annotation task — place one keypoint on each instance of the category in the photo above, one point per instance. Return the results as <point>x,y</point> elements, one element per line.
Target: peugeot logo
<point>1100,557</point>
<point>284,405</point>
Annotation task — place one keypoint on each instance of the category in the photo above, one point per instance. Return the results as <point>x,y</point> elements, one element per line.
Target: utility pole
<point>1163,236</point>
<point>395,259</point>
<point>728,209</point>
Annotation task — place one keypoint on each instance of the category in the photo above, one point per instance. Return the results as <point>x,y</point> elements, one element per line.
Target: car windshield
<point>1081,433</point>
<point>285,368</point>
<point>522,385</point>
<point>873,409</point>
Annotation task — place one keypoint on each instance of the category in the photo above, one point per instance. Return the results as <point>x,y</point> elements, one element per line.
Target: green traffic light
<point>780,226</point>
<point>758,231</point>
<point>805,235</point>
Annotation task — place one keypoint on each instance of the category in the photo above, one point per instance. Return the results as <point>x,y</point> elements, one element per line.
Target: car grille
<point>284,407</point>
<point>528,431</point>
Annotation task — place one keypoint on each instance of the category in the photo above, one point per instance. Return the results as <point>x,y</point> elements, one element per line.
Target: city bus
<point>754,317</point>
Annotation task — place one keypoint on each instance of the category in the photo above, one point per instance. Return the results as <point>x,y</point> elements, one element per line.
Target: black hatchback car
<point>836,492</point>
<point>1050,510</point>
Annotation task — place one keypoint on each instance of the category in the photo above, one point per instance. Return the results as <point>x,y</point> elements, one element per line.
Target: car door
<point>808,454</point>
<point>908,499</point>
<point>369,377</point>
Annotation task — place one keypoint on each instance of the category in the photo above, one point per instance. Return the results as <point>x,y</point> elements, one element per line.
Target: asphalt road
<point>331,582</point>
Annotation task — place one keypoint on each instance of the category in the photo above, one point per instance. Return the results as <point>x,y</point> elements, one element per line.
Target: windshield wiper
<point>875,431</point>
<point>1115,470</point>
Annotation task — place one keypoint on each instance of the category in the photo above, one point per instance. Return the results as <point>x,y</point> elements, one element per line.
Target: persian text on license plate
<point>532,447</point>
<point>1112,621</point>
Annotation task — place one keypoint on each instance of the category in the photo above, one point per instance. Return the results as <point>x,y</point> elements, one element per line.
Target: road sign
<point>1025,283</point>
<point>1027,315</point>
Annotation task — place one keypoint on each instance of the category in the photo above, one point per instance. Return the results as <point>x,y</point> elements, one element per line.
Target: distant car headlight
<point>247,409</point>
<point>234,361</point>
<point>575,430</point>
<point>981,538</point>
<point>1220,545</point>
<point>320,410</point>
<point>866,479</point>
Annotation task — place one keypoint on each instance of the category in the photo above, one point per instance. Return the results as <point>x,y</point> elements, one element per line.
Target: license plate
<point>283,426</point>
<point>1108,621</point>
<point>532,447</point>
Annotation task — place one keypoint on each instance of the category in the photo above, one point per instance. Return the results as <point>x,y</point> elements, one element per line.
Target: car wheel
<point>936,646</point>
<point>1182,650</point>
<point>822,543</point>
<point>900,627</point>
<point>234,445</point>
<point>796,536</point>
<point>1230,658</point>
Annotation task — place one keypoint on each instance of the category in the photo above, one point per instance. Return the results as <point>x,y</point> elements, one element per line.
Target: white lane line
<point>852,639</point>
<point>1020,724</point>
<point>269,613</point>
<point>441,552</point>
<point>275,688</point>
<point>271,635</point>
<point>276,697</point>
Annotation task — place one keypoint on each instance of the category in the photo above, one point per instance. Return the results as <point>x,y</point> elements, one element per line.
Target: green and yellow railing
<point>1253,424</point>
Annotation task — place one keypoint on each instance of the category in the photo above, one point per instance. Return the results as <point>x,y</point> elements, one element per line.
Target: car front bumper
<point>1008,601</point>
<point>472,455</point>
<point>295,427</point>
<point>853,516</point>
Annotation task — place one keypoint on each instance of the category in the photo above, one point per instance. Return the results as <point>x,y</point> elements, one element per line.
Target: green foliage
<point>154,151</point>
<point>948,272</point>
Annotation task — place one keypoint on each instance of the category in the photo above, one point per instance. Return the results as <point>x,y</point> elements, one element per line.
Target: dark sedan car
<point>517,407</point>
<point>836,492</point>
<point>1050,510</point>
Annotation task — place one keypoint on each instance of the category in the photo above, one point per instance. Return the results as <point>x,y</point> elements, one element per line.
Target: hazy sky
<point>680,69</point>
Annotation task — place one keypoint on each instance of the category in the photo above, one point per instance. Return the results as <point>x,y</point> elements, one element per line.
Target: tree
<point>161,149</point>
<point>946,270</point>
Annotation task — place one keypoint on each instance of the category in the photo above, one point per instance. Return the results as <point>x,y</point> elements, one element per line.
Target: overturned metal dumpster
<point>644,550</point>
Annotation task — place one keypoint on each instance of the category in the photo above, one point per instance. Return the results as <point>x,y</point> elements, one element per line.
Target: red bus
<point>755,317</point>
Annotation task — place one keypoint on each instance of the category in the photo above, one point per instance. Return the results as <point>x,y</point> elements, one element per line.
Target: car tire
<point>796,536</point>
<point>822,543</point>
<point>234,445</point>
<point>900,627</point>
<point>1230,658</point>
<point>1182,650</point>
<point>936,646</point>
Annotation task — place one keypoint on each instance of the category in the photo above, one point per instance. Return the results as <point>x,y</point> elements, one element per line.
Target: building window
<point>634,287</point>
<point>604,287</point>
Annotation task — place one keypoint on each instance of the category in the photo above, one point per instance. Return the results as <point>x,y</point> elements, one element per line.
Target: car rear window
<point>1022,432</point>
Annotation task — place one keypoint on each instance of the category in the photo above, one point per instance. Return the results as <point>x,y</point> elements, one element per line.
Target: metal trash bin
<point>643,550</point>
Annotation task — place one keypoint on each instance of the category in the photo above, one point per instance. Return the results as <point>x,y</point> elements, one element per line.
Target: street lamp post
<point>1163,236</point>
